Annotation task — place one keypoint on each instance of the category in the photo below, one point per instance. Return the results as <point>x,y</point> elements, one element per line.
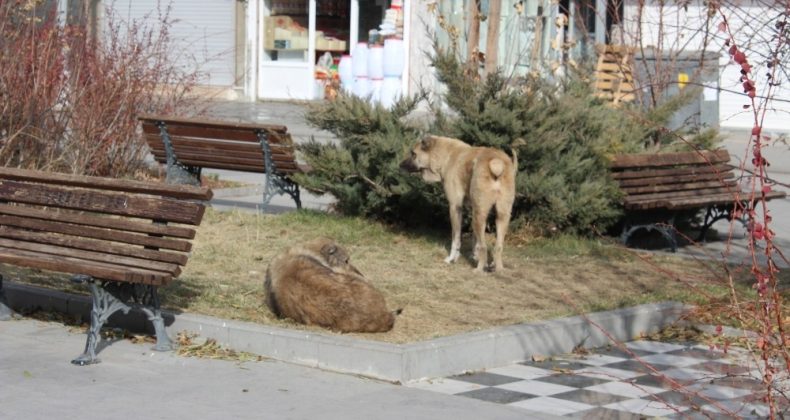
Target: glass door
<point>287,49</point>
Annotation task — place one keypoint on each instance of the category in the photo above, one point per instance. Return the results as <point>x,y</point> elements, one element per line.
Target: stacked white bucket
<point>359,67</point>
<point>394,56</point>
<point>374,72</point>
<point>346,73</point>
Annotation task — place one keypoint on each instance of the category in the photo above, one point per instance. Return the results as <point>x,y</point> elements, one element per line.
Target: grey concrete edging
<point>392,362</point>
<point>238,191</point>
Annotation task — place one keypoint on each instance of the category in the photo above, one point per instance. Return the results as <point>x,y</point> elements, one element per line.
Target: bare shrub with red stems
<point>70,93</point>
<point>766,314</point>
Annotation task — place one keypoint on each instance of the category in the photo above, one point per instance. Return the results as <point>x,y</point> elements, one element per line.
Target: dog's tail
<point>496,166</point>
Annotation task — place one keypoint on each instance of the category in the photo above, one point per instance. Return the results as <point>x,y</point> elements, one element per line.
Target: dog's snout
<point>408,165</point>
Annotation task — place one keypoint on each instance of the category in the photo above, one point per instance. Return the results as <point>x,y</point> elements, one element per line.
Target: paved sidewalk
<point>610,383</point>
<point>38,382</point>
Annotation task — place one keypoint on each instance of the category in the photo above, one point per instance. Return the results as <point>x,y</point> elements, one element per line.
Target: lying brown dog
<point>315,284</point>
<point>483,176</point>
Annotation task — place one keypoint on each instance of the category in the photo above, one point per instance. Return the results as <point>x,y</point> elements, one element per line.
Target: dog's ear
<point>329,249</point>
<point>427,142</point>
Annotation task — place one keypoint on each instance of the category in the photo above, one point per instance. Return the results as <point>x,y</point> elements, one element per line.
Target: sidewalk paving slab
<point>134,383</point>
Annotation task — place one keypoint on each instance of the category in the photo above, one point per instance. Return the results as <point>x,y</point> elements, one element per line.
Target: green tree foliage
<point>362,171</point>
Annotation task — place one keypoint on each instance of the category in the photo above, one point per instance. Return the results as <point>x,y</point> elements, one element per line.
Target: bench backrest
<point>220,144</point>
<point>672,180</point>
<point>110,229</point>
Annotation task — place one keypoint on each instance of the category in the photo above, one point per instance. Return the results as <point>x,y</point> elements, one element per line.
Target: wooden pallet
<point>614,80</point>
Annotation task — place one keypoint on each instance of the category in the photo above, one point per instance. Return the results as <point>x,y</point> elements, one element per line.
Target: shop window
<point>286,24</point>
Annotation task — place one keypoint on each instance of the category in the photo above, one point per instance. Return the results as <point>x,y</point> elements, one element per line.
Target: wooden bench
<point>188,145</point>
<point>130,237</point>
<point>658,187</point>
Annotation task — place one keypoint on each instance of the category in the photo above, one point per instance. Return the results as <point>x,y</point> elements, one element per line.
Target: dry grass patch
<point>225,275</point>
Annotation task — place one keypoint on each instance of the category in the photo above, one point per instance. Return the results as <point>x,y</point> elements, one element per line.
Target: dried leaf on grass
<point>140,338</point>
<point>189,345</point>
<point>692,334</point>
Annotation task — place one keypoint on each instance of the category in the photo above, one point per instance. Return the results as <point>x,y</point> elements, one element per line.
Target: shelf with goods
<point>284,33</point>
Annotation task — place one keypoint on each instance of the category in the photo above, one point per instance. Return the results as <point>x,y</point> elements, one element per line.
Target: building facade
<point>270,49</point>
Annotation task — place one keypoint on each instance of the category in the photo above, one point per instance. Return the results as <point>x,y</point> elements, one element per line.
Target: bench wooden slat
<point>92,245</point>
<point>676,179</point>
<point>139,226</point>
<point>669,159</point>
<point>717,189</point>
<point>161,156</point>
<point>693,198</point>
<point>233,167</point>
<point>692,202</point>
<point>221,145</point>
<point>175,191</point>
<point>96,233</point>
<point>677,187</point>
<point>226,159</point>
<point>76,265</point>
<point>155,141</point>
<point>173,269</point>
<point>211,122</point>
<point>154,207</point>
<point>636,173</point>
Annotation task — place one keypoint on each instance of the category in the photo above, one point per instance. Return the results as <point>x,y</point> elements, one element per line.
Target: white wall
<point>420,71</point>
<point>676,29</point>
<point>204,33</point>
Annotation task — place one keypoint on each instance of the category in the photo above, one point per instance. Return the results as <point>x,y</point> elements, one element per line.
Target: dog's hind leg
<point>503,208</point>
<point>479,230</point>
<point>455,222</point>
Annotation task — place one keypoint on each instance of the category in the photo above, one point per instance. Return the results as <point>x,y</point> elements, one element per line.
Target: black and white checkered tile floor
<point>611,384</point>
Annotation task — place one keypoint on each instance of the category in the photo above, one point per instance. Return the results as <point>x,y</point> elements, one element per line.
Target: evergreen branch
<point>379,189</point>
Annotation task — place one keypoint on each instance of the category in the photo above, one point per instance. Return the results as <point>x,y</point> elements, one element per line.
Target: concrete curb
<point>392,362</point>
<point>238,191</point>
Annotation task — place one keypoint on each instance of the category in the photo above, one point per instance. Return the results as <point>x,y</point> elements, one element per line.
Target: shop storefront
<point>303,44</point>
<point>286,49</point>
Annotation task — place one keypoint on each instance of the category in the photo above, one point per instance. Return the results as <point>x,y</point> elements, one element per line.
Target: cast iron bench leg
<point>666,230</point>
<point>163,341</point>
<point>183,175</point>
<point>177,173</point>
<point>279,185</point>
<point>5,311</point>
<point>111,297</point>
<point>104,305</point>
<point>719,212</point>
<point>275,183</point>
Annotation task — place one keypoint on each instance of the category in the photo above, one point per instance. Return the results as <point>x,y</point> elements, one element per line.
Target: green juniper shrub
<point>362,171</point>
<point>569,137</point>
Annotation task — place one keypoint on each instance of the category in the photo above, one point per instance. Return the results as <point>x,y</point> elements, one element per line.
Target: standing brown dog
<point>484,176</point>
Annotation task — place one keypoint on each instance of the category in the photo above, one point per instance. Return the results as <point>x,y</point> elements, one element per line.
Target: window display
<point>292,67</point>
<point>286,34</point>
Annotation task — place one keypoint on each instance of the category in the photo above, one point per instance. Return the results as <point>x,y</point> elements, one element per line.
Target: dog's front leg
<point>456,212</point>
